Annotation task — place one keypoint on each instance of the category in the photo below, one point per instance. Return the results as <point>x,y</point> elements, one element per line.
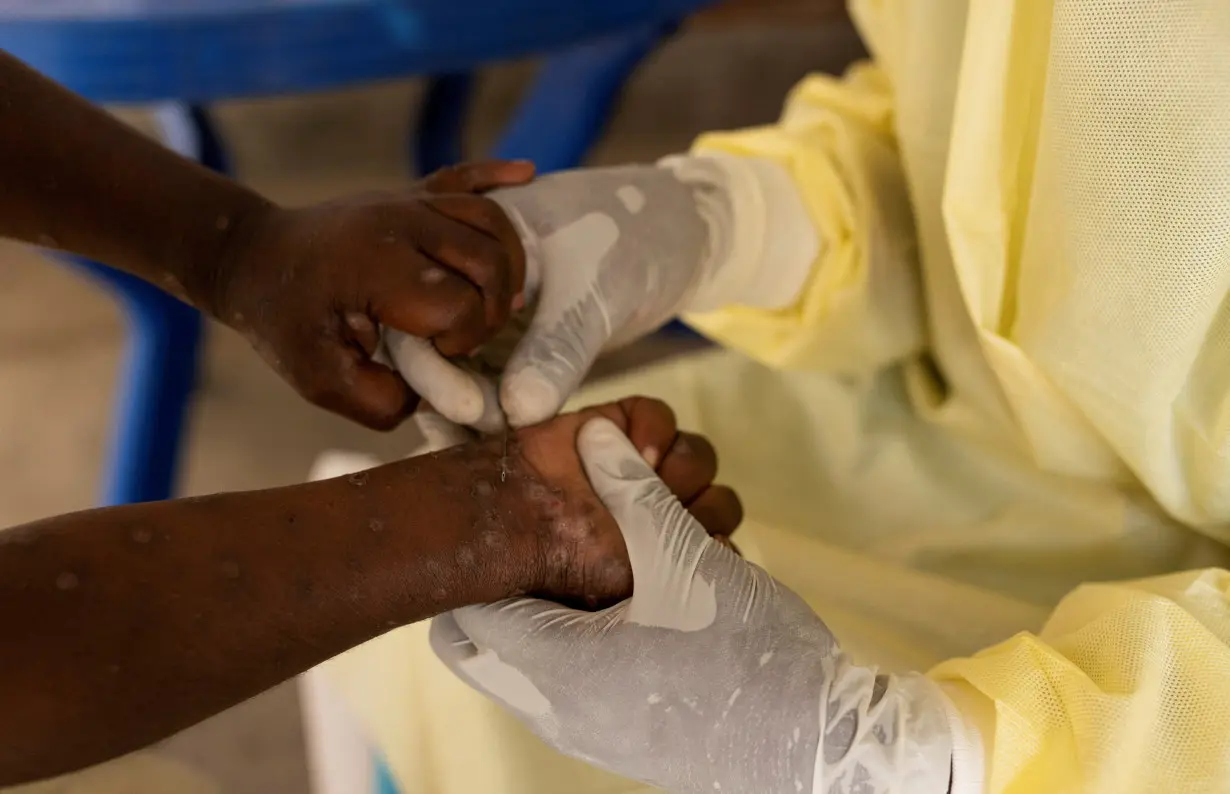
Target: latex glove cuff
<point>762,241</point>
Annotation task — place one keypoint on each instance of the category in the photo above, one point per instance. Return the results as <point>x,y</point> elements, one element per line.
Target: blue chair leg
<point>159,370</point>
<point>442,122</point>
<point>568,107</point>
<point>155,388</point>
<point>560,119</point>
<point>160,373</point>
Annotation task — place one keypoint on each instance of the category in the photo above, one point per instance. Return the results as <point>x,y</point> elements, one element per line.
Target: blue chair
<point>184,54</point>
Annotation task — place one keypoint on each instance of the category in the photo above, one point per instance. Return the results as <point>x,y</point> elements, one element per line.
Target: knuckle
<point>481,269</point>
<point>658,409</point>
<point>693,450</point>
<point>470,305</point>
<point>493,271</point>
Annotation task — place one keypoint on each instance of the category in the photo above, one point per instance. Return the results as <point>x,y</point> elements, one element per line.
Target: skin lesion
<point>585,558</point>
<point>67,581</point>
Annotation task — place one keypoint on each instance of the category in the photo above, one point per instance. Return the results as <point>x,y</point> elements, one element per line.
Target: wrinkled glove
<point>712,677</point>
<point>611,255</point>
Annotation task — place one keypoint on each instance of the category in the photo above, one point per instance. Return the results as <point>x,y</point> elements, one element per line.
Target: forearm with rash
<point>74,177</point>
<point>124,625</point>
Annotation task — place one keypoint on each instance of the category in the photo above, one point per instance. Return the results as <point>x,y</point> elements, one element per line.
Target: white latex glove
<point>712,677</point>
<point>612,254</point>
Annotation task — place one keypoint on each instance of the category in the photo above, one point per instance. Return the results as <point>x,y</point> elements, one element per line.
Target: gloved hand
<point>612,254</point>
<point>712,677</point>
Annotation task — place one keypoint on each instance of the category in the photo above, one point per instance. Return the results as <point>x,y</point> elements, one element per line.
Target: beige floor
<point>60,338</point>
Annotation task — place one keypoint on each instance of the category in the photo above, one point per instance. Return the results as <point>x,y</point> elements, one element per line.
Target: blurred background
<point>61,337</point>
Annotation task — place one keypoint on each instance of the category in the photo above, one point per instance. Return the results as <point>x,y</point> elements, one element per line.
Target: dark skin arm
<point>307,286</point>
<point>124,625</point>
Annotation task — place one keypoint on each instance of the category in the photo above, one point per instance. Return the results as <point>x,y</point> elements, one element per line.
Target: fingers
<point>364,332</point>
<point>664,543</point>
<point>529,396</point>
<point>473,237</point>
<point>461,396</point>
<point>459,285</point>
<point>718,510</point>
<point>570,325</point>
<point>492,419</point>
<point>651,427</point>
<point>552,359</point>
<point>434,303</point>
<point>480,176</point>
<point>686,462</point>
<point>615,468</point>
<point>689,466</point>
<point>490,219</point>
<point>360,389</point>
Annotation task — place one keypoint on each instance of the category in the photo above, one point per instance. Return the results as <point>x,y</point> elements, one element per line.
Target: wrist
<point>762,242</point>
<point>207,274</point>
<point>474,532</point>
<point>902,716</point>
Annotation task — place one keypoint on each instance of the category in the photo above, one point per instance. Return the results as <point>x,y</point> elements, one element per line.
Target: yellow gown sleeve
<point>1126,689</point>
<point>860,308</point>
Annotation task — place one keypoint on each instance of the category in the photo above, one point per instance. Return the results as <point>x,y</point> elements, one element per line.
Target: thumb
<point>459,395</point>
<point>570,323</point>
<point>549,363</point>
<point>665,543</point>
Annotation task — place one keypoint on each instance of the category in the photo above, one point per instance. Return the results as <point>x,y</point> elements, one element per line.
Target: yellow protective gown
<point>1023,484</point>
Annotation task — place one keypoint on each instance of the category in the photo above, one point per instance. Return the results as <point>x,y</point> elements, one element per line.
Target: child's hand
<point>310,287</point>
<point>539,493</point>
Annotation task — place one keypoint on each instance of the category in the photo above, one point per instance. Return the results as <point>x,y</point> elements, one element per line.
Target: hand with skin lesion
<point>309,287</point>
<point>584,561</point>
<point>149,618</point>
